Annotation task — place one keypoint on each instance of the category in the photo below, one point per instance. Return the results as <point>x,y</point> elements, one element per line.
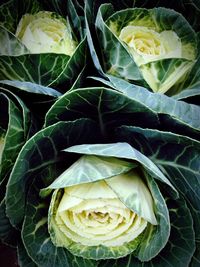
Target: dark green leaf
<point>182,116</point>
<point>12,11</point>
<point>40,151</point>
<point>30,88</point>
<point>23,258</point>
<point>177,157</point>
<point>8,234</point>
<point>17,130</point>
<point>108,107</point>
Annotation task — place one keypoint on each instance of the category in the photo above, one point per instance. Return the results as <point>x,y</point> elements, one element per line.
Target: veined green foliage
<point>103,171</point>
<point>16,126</point>
<point>160,42</point>
<point>152,47</point>
<point>101,124</point>
<point>33,52</point>
<point>131,106</point>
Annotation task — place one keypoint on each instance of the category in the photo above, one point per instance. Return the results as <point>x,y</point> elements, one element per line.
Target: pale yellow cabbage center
<point>43,32</point>
<point>93,215</point>
<point>147,45</point>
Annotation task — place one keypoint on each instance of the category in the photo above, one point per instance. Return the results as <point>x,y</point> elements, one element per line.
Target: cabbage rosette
<point>103,218</point>
<point>100,184</point>
<point>46,32</point>
<point>41,46</point>
<point>155,48</point>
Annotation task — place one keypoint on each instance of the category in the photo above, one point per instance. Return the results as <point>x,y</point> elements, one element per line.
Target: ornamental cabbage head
<point>46,32</point>
<point>155,48</point>
<point>106,218</point>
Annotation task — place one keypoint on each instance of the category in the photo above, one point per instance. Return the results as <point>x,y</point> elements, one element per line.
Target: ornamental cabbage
<point>46,32</point>
<point>43,44</point>
<point>155,48</point>
<point>117,135</point>
<point>109,214</point>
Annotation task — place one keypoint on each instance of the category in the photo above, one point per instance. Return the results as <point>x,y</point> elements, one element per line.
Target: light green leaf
<point>10,45</point>
<point>121,150</point>
<point>30,87</point>
<point>133,192</point>
<point>180,248</point>
<point>98,168</point>
<point>155,238</point>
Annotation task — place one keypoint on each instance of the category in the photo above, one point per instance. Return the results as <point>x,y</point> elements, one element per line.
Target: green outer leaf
<point>23,259</point>
<point>36,68</point>
<point>179,249</point>
<point>192,81</point>
<point>116,58</point>
<point>180,114</point>
<point>90,36</point>
<point>108,107</point>
<point>79,80</point>
<point>155,238</point>
<point>121,150</point>
<point>15,135</point>
<point>177,157</point>
<point>30,87</point>
<point>76,17</point>
<point>189,9</point>
<point>98,168</point>
<point>190,92</point>
<point>14,138</point>
<point>39,151</point>
<point>47,69</point>
<point>196,258</point>
<point>8,234</point>
<point>73,67</point>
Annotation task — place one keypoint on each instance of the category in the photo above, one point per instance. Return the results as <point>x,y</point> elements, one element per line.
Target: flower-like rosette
<point>46,32</point>
<point>155,47</point>
<point>94,220</point>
